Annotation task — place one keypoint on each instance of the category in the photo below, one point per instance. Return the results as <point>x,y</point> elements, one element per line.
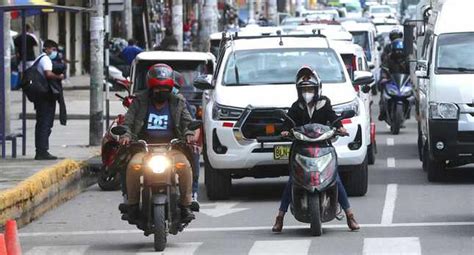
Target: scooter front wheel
<point>160,227</point>
<point>315,211</point>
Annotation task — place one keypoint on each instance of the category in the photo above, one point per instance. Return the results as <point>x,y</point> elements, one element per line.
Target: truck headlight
<point>159,164</point>
<point>444,111</point>
<point>353,105</point>
<point>220,112</point>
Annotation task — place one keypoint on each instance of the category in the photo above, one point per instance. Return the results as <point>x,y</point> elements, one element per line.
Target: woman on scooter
<point>312,107</point>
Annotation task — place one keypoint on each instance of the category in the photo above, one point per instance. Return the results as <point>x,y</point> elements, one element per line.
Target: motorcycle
<point>398,98</point>
<point>109,174</point>
<point>159,206</point>
<point>313,171</point>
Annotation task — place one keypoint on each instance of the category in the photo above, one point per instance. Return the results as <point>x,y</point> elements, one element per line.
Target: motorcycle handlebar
<point>119,96</point>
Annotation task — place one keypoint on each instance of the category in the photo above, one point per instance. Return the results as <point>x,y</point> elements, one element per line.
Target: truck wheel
<point>435,168</point>
<point>218,183</point>
<point>159,220</point>
<point>356,180</point>
<point>315,211</point>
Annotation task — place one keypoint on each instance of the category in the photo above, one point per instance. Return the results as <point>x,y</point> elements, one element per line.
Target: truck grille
<point>262,122</point>
<point>466,137</point>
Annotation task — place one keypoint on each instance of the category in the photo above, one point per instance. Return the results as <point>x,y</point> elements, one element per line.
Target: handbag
<point>34,84</point>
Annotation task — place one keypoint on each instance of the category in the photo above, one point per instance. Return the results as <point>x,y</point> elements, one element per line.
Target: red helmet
<point>160,75</point>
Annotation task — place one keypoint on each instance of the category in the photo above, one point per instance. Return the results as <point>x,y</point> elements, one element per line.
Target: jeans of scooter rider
<point>185,178</point>
<point>196,168</point>
<point>342,195</point>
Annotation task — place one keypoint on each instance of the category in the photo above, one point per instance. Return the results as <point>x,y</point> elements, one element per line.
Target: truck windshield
<point>455,53</point>
<point>279,66</point>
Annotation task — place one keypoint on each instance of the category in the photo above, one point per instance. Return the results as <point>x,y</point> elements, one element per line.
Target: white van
<point>446,89</point>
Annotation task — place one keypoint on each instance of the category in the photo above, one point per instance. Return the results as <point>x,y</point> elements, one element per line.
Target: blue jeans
<point>196,166</point>
<point>342,195</point>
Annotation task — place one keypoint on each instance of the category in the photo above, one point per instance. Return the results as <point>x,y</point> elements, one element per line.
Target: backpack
<point>33,83</point>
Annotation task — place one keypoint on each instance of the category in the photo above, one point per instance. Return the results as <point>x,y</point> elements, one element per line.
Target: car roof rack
<point>235,36</point>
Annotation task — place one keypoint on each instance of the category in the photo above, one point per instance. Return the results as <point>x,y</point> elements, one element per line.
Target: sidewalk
<point>69,141</point>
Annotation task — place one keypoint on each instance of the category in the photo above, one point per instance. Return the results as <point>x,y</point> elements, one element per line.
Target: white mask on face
<point>308,97</point>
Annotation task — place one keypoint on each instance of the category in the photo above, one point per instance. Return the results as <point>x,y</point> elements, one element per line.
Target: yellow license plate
<point>281,152</point>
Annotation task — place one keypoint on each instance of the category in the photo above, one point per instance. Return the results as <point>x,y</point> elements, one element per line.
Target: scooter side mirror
<point>347,114</point>
<point>202,83</point>
<point>284,114</point>
<point>119,130</point>
<point>365,89</point>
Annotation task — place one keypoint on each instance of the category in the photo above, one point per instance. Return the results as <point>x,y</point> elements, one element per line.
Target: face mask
<point>160,97</point>
<point>308,97</point>
<point>53,54</point>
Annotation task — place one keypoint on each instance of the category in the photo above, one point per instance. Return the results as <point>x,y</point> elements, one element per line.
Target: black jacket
<point>323,113</point>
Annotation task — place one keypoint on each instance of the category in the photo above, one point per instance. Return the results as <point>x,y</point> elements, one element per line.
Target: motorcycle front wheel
<point>159,220</point>
<point>316,226</point>
<point>397,119</point>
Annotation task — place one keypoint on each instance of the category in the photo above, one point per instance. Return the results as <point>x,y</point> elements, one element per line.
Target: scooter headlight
<point>319,163</point>
<point>159,164</point>
<point>406,91</point>
<point>392,91</point>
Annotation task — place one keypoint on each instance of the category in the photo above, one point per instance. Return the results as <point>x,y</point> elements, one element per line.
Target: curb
<point>45,190</point>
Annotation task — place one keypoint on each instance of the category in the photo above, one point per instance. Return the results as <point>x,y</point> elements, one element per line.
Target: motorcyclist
<point>393,35</point>
<point>158,116</point>
<point>312,107</point>
<point>396,62</point>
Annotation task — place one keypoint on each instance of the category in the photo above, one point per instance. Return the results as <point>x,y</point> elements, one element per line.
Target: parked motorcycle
<point>109,174</point>
<point>313,171</point>
<point>159,205</point>
<point>398,98</point>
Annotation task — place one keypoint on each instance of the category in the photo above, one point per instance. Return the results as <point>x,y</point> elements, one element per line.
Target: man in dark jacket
<point>158,116</point>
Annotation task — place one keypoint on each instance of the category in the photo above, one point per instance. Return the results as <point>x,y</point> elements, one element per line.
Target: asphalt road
<point>402,213</point>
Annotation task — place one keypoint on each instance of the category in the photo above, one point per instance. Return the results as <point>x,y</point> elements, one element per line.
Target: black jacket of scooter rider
<point>397,62</point>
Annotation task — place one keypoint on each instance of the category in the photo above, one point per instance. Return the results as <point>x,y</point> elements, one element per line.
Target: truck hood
<point>453,88</point>
<point>277,95</point>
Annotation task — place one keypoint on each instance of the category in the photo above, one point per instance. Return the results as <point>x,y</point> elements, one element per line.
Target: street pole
<point>7,69</point>
<point>106,62</point>
<point>272,11</point>
<point>298,8</point>
<point>208,23</point>
<point>96,125</point>
<point>128,18</point>
<point>251,12</point>
<point>177,13</point>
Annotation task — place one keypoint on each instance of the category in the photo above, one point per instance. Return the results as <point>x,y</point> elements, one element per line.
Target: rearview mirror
<point>371,66</point>
<point>363,78</point>
<point>119,130</point>
<point>202,83</point>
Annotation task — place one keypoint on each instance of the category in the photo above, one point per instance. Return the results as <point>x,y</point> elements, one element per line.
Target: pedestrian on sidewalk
<point>131,51</point>
<point>31,43</point>
<point>46,106</point>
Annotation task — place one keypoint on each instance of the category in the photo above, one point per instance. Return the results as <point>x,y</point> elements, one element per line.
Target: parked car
<point>255,76</point>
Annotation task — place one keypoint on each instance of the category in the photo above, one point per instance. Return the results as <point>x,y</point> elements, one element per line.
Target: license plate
<point>281,152</point>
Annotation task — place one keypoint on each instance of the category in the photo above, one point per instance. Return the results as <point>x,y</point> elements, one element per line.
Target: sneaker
<point>45,156</point>
<point>186,214</point>
<point>195,203</point>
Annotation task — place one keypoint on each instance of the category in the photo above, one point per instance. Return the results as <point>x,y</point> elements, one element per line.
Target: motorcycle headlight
<point>220,112</point>
<point>406,91</point>
<point>444,111</point>
<point>353,105</point>
<point>319,163</point>
<point>159,164</point>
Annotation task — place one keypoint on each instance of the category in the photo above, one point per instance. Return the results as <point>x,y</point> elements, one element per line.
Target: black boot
<point>44,155</point>
<point>186,214</point>
<point>133,212</point>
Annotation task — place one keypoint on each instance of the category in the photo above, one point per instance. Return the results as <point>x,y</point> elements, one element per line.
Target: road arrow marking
<point>221,209</point>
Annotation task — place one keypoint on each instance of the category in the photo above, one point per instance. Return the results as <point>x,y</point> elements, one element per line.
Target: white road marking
<point>58,250</point>
<point>391,162</point>
<point>388,246</point>
<point>296,247</point>
<point>222,209</point>
<point>390,141</point>
<point>256,228</point>
<point>173,249</point>
<point>389,206</point>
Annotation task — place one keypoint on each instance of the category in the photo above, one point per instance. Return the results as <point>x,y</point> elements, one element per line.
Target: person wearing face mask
<point>157,116</point>
<point>312,107</point>
<point>46,106</point>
